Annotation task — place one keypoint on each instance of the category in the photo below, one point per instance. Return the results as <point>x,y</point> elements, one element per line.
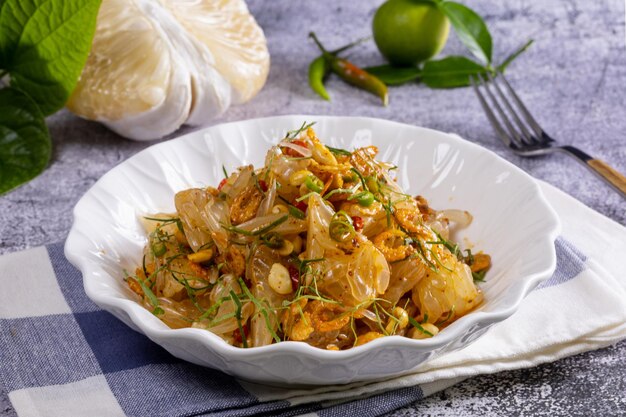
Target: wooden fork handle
<point>615,178</point>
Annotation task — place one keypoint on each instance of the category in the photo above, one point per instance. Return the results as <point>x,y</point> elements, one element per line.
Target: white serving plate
<point>512,222</point>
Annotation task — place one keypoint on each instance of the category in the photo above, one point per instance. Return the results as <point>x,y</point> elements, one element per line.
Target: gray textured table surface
<point>573,79</point>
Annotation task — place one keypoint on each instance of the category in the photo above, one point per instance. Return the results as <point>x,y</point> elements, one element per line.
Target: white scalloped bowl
<point>512,222</point>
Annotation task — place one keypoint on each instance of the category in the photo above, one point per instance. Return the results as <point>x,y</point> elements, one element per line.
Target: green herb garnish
<point>479,276</point>
<point>262,309</point>
<point>238,305</point>
<point>152,299</point>
<point>273,240</point>
<point>360,177</point>
<point>259,230</point>
<point>296,212</point>
<point>306,196</point>
<point>350,191</point>
<point>338,151</point>
<point>452,247</point>
<point>292,134</point>
<point>419,327</point>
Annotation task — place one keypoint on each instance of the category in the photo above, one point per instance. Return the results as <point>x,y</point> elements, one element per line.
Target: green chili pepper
<point>341,228</point>
<point>314,184</point>
<point>365,199</point>
<point>372,184</point>
<point>352,74</point>
<point>319,69</point>
<point>359,78</point>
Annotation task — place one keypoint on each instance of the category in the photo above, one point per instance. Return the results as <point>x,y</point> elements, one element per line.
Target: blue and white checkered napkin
<point>62,356</point>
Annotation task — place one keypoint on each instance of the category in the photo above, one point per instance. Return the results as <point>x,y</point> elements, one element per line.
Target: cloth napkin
<point>60,355</point>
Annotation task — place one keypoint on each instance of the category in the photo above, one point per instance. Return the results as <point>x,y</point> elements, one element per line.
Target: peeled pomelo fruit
<point>232,35</point>
<point>155,65</point>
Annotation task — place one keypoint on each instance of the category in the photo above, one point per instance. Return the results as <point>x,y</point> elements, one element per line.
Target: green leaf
<point>391,75</point>
<point>24,139</point>
<point>450,72</point>
<point>44,46</point>
<point>470,28</point>
<point>503,66</point>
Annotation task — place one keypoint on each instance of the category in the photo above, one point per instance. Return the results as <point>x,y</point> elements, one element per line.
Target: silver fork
<point>520,132</point>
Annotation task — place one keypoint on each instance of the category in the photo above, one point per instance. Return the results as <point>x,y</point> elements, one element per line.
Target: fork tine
<point>514,135</point>
<point>492,117</point>
<point>526,136</point>
<point>540,134</point>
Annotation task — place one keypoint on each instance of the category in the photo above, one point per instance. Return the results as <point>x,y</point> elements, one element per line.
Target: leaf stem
<point>502,67</point>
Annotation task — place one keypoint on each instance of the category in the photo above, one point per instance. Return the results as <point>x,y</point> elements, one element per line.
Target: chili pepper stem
<point>313,36</point>
<point>350,45</point>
